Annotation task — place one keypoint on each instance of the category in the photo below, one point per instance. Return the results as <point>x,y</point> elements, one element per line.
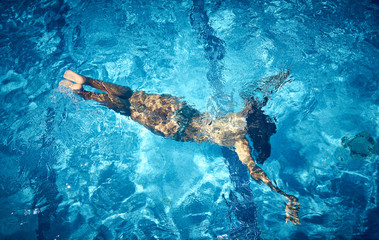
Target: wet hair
<point>260,127</point>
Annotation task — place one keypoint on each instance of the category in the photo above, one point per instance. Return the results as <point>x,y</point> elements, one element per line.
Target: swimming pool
<point>73,169</point>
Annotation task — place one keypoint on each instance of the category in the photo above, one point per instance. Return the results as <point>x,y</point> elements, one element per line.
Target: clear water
<point>72,169</point>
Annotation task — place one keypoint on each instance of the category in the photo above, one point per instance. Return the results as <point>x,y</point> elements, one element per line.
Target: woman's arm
<point>243,151</point>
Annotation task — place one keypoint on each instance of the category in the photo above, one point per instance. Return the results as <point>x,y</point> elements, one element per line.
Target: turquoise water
<point>72,169</point>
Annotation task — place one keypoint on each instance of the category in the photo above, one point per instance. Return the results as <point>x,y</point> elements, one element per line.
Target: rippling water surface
<point>72,169</point>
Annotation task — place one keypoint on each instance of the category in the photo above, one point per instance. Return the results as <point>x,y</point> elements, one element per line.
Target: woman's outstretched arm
<point>243,151</point>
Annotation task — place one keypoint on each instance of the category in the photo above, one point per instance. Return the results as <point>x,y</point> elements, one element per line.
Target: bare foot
<point>73,86</point>
<point>75,77</point>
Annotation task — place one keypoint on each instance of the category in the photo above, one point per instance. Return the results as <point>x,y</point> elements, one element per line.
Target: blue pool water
<point>71,169</point>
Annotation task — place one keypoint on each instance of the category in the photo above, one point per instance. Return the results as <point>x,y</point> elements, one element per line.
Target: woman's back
<point>166,115</point>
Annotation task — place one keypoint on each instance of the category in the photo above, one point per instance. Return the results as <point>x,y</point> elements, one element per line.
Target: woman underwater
<point>170,117</point>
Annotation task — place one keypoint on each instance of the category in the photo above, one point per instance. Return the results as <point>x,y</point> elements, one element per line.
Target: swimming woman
<point>170,117</point>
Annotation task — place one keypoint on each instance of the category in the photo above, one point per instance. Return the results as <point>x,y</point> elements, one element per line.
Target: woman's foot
<point>75,77</point>
<point>73,86</point>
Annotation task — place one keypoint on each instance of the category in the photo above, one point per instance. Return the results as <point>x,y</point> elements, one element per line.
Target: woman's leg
<point>115,103</point>
<point>110,88</point>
